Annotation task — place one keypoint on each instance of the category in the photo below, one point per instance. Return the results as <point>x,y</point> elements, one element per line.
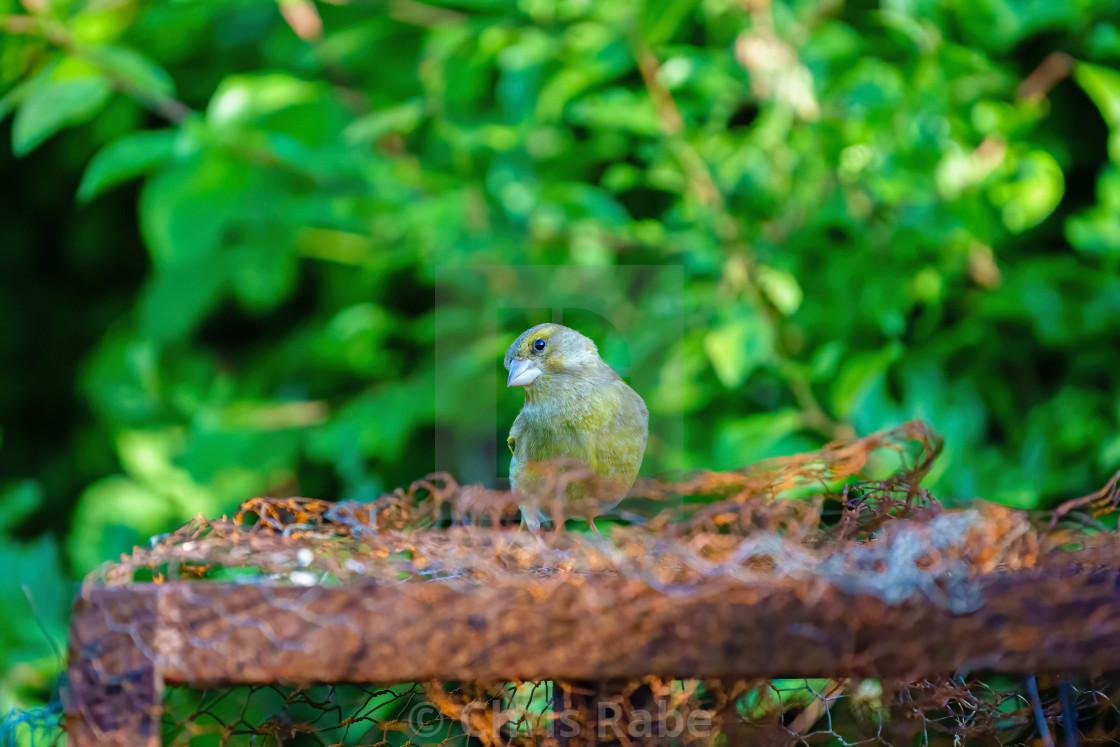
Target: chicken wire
<point>940,711</point>
<point>847,533</point>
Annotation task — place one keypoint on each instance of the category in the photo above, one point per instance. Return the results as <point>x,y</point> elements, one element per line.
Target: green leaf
<point>858,374</point>
<point>619,109</point>
<point>124,159</point>
<point>178,297</point>
<point>133,71</point>
<point>29,626</point>
<point>61,96</point>
<point>1102,84</point>
<point>748,439</point>
<point>112,516</point>
<point>18,502</point>
<point>13,98</point>
<point>263,269</point>
<point>781,288</point>
<point>402,118</point>
<point>1097,230</point>
<point>359,425</point>
<point>122,379</point>
<point>211,451</point>
<point>661,19</point>
<point>1034,193</point>
<point>244,98</point>
<point>185,210</point>
<point>738,347</point>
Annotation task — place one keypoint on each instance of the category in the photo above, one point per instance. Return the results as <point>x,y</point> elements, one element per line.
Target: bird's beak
<point>522,373</point>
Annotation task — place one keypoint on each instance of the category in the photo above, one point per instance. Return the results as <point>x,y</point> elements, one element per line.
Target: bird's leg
<point>540,540</point>
<point>531,517</point>
<point>595,529</point>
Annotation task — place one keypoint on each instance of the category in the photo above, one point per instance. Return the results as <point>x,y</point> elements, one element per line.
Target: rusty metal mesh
<point>943,711</point>
<point>851,517</point>
<point>810,514</point>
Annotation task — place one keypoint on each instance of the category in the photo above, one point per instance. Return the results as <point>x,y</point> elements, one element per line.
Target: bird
<point>577,411</point>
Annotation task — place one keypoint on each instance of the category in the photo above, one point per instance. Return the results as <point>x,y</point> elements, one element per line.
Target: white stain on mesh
<point>891,566</point>
<point>902,560</point>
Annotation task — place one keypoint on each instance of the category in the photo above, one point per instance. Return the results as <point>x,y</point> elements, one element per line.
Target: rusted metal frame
<point>127,642</point>
<point>115,688</point>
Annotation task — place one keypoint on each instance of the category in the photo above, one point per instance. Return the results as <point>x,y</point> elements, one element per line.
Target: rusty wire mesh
<point>851,518</point>
<point>977,710</point>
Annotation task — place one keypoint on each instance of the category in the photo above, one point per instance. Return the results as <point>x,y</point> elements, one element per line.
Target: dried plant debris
<point>822,515</point>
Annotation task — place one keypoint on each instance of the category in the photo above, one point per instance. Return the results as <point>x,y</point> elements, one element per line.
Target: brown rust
<point>115,682</point>
<point>592,628</point>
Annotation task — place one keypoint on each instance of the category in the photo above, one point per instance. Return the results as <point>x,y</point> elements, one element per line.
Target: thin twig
<point>1108,495</point>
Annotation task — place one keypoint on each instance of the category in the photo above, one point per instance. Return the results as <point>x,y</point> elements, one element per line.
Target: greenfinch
<point>577,409</point>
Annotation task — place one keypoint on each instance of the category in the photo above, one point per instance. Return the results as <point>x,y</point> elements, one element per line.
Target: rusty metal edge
<point>588,628</point>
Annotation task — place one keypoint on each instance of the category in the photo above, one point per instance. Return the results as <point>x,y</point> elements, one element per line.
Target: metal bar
<point>115,689</point>
<point>601,628</point>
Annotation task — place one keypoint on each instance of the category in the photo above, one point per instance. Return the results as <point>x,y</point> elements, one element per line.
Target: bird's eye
<point>538,344</point>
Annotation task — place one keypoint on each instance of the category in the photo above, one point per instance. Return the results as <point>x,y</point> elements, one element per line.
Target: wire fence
<point>978,710</point>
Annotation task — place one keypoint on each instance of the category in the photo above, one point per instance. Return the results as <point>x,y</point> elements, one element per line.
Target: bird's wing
<point>520,442</point>
<point>621,442</point>
<point>514,468</point>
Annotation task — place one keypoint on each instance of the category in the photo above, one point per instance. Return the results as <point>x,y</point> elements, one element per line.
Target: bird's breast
<point>542,433</point>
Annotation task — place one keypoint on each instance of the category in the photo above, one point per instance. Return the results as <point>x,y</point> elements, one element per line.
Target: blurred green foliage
<point>226,220</point>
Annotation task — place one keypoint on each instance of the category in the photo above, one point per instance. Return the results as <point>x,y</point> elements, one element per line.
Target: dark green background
<point>222,241</point>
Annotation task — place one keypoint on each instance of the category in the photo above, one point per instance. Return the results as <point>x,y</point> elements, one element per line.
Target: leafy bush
<point>877,212</point>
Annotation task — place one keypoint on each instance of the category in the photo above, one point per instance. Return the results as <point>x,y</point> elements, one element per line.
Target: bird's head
<point>549,350</point>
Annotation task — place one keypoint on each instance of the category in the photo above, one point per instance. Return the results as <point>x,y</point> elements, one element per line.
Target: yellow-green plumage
<point>577,407</point>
